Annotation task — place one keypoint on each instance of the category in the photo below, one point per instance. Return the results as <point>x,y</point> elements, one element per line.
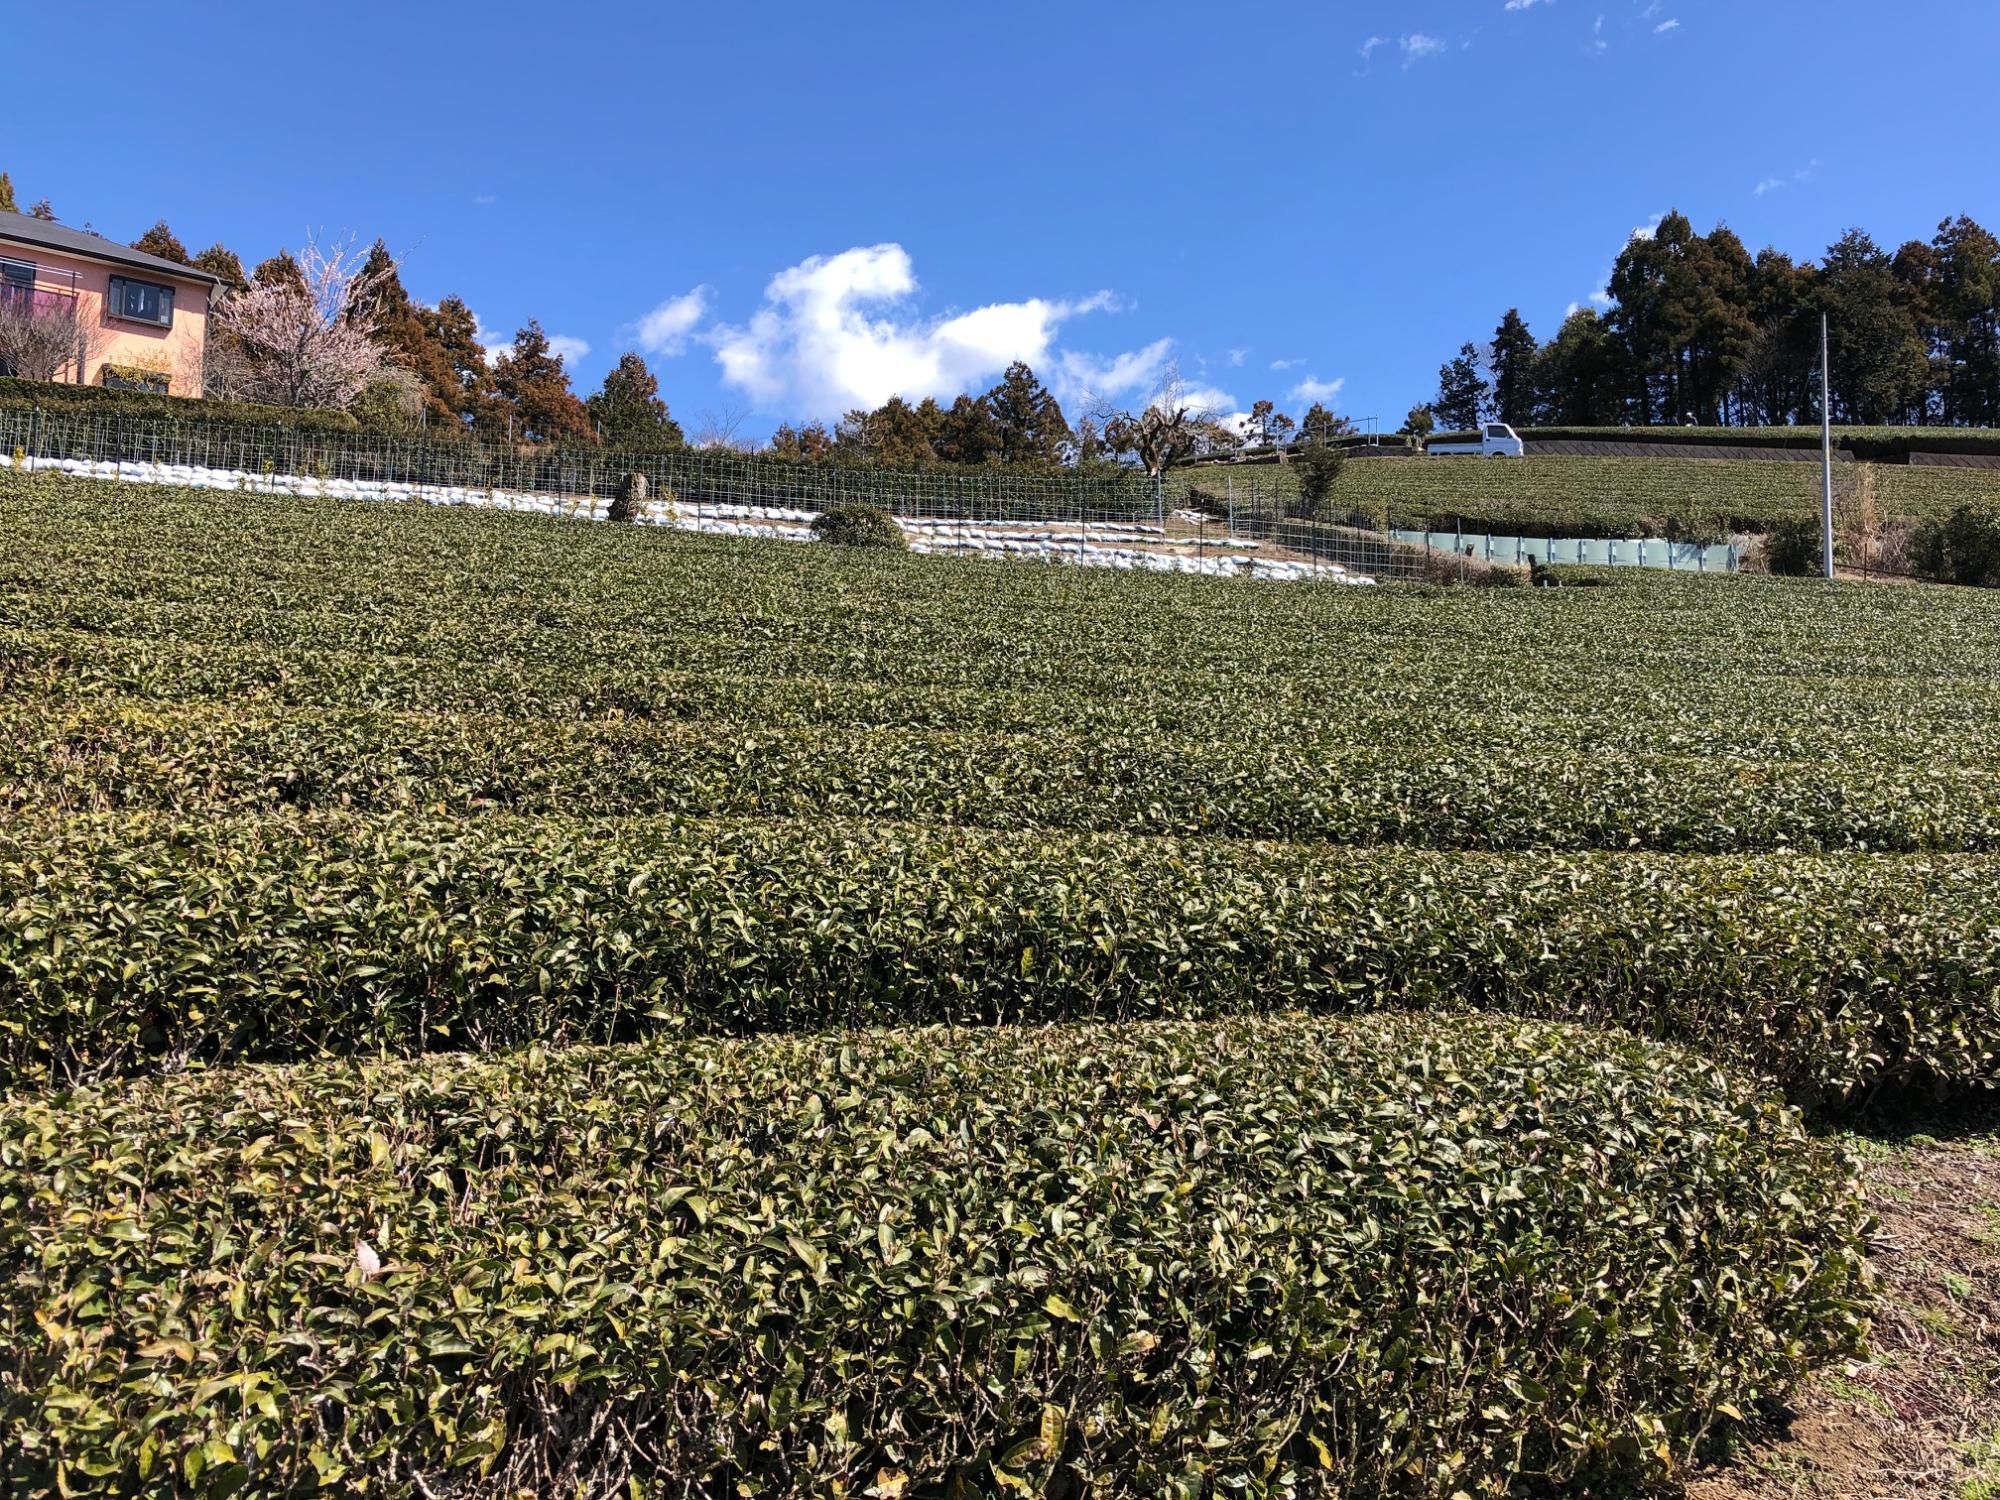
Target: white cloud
<point>570,349</point>
<point>1077,376</point>
<point>1803,174</point>
<point>1527,4</point>
<point>1312,388</point>
<point>1666,26</point>
<point>1597,41</point>
<point>485,199</point>
<point>1285,364</point>
<point>1417,46</point>
<point>667,328</point>
<point>1369,47</point>
<point>1199,398</point>
<point>836,332</point>
<point>1237,356</point>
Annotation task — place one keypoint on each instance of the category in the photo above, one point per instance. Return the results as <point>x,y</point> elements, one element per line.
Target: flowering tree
<point>309,339</point>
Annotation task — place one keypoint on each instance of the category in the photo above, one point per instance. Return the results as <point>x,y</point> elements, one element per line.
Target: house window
<point>126,378</point>
<point>142,302</point>
<point>16,273</point>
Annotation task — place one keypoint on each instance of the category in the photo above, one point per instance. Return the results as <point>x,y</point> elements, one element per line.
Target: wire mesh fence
<point>1223,519</point>
<point>691,477</point>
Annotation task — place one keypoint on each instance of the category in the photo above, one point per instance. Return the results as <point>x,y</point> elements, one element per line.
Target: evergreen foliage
<point>534,386</point>
<point>1697,331</point>
<point>1462,391</point>
<point>628,412</point>
<point>163,242</point>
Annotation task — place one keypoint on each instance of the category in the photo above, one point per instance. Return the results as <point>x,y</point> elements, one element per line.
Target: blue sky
<point>795,208</point>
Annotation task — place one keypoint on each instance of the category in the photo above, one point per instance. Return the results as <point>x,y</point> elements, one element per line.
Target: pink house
<point>140,322</point>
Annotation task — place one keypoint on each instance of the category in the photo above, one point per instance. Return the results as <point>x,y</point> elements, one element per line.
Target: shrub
<point>1690,528</point>
<point>1318,466</point>
<point>20,394</point>
<point>859,526</point>
<point>1141,1261</point>
<point>1792,548</point>
<point>1963,547</point>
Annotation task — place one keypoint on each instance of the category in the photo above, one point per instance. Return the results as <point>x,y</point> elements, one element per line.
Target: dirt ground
<point>1920,1418</point>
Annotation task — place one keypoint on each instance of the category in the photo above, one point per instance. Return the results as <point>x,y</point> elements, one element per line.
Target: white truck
<point>1496,440</point>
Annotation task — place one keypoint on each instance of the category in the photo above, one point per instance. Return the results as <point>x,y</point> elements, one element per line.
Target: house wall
<point>174,352</point>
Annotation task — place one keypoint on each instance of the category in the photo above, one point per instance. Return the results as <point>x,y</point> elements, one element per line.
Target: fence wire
<point>692,477</point>
<point>1202,513</point>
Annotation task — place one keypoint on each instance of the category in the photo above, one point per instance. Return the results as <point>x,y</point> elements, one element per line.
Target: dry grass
<point>1919,1419</point>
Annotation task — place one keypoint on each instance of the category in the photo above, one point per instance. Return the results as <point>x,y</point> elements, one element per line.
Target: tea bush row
<point>1611,496</point>
<point>1271,1257</point>
<point>1424,791</point>
<point>129,945</point>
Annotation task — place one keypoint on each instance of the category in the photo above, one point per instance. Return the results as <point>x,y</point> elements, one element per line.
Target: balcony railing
<point>24,285</point>
<point>18,298</point>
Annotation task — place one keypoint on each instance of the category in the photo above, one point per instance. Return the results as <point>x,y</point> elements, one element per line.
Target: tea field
<point>1609,496</point>
<point>497,1004</point>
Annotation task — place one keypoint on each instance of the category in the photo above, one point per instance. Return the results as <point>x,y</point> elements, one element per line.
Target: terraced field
<point>1608,496</point>
<point>696,1015</point>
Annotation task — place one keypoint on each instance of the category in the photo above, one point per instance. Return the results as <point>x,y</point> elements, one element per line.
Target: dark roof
<point>26,229</point>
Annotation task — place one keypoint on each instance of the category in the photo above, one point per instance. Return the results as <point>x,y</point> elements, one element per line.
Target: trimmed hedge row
<point>17,395</point>
<point>119,755</point>
<point>1278,1257</point>
<point>128,946</point>
<point>1890,445</point>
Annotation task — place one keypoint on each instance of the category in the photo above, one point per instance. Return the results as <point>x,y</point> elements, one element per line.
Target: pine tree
<point>1513,363</point>
<point>279,270</point>
<point>1321,425</point>
<point>808,442</point>
<point>628,411</point>
<point>533,388</point>
<point>1461,393</point>
<point>1420,423</point>
<point>1775,380</point>
<point>405,330</point>
<point>967,434</point>
<point>896,433</point>
<point>1968,318</point>
<point>7,202</point>
<point>1257,426</point>
<point>1028,423</point>
<point>1573,375</point>
<point>1880,367</point>
<point>931,424</point>
<point>455,369</point>
<point>163,242</point>
<point>222,264</point>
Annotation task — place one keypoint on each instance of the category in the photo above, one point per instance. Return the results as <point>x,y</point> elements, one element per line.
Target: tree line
<point>1698,330</point>
<point>316,328</point>
<point>1020,421</point>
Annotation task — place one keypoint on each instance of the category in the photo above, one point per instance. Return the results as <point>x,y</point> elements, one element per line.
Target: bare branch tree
<point>721,430</point>
<point>43,334</point>
<point>1168,429</point>
<point>310,343</point>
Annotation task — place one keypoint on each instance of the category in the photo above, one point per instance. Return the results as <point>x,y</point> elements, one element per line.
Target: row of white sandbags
<point>991,539</point>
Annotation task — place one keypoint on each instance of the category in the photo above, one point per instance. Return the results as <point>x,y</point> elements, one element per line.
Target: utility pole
<point>1826,447</point>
